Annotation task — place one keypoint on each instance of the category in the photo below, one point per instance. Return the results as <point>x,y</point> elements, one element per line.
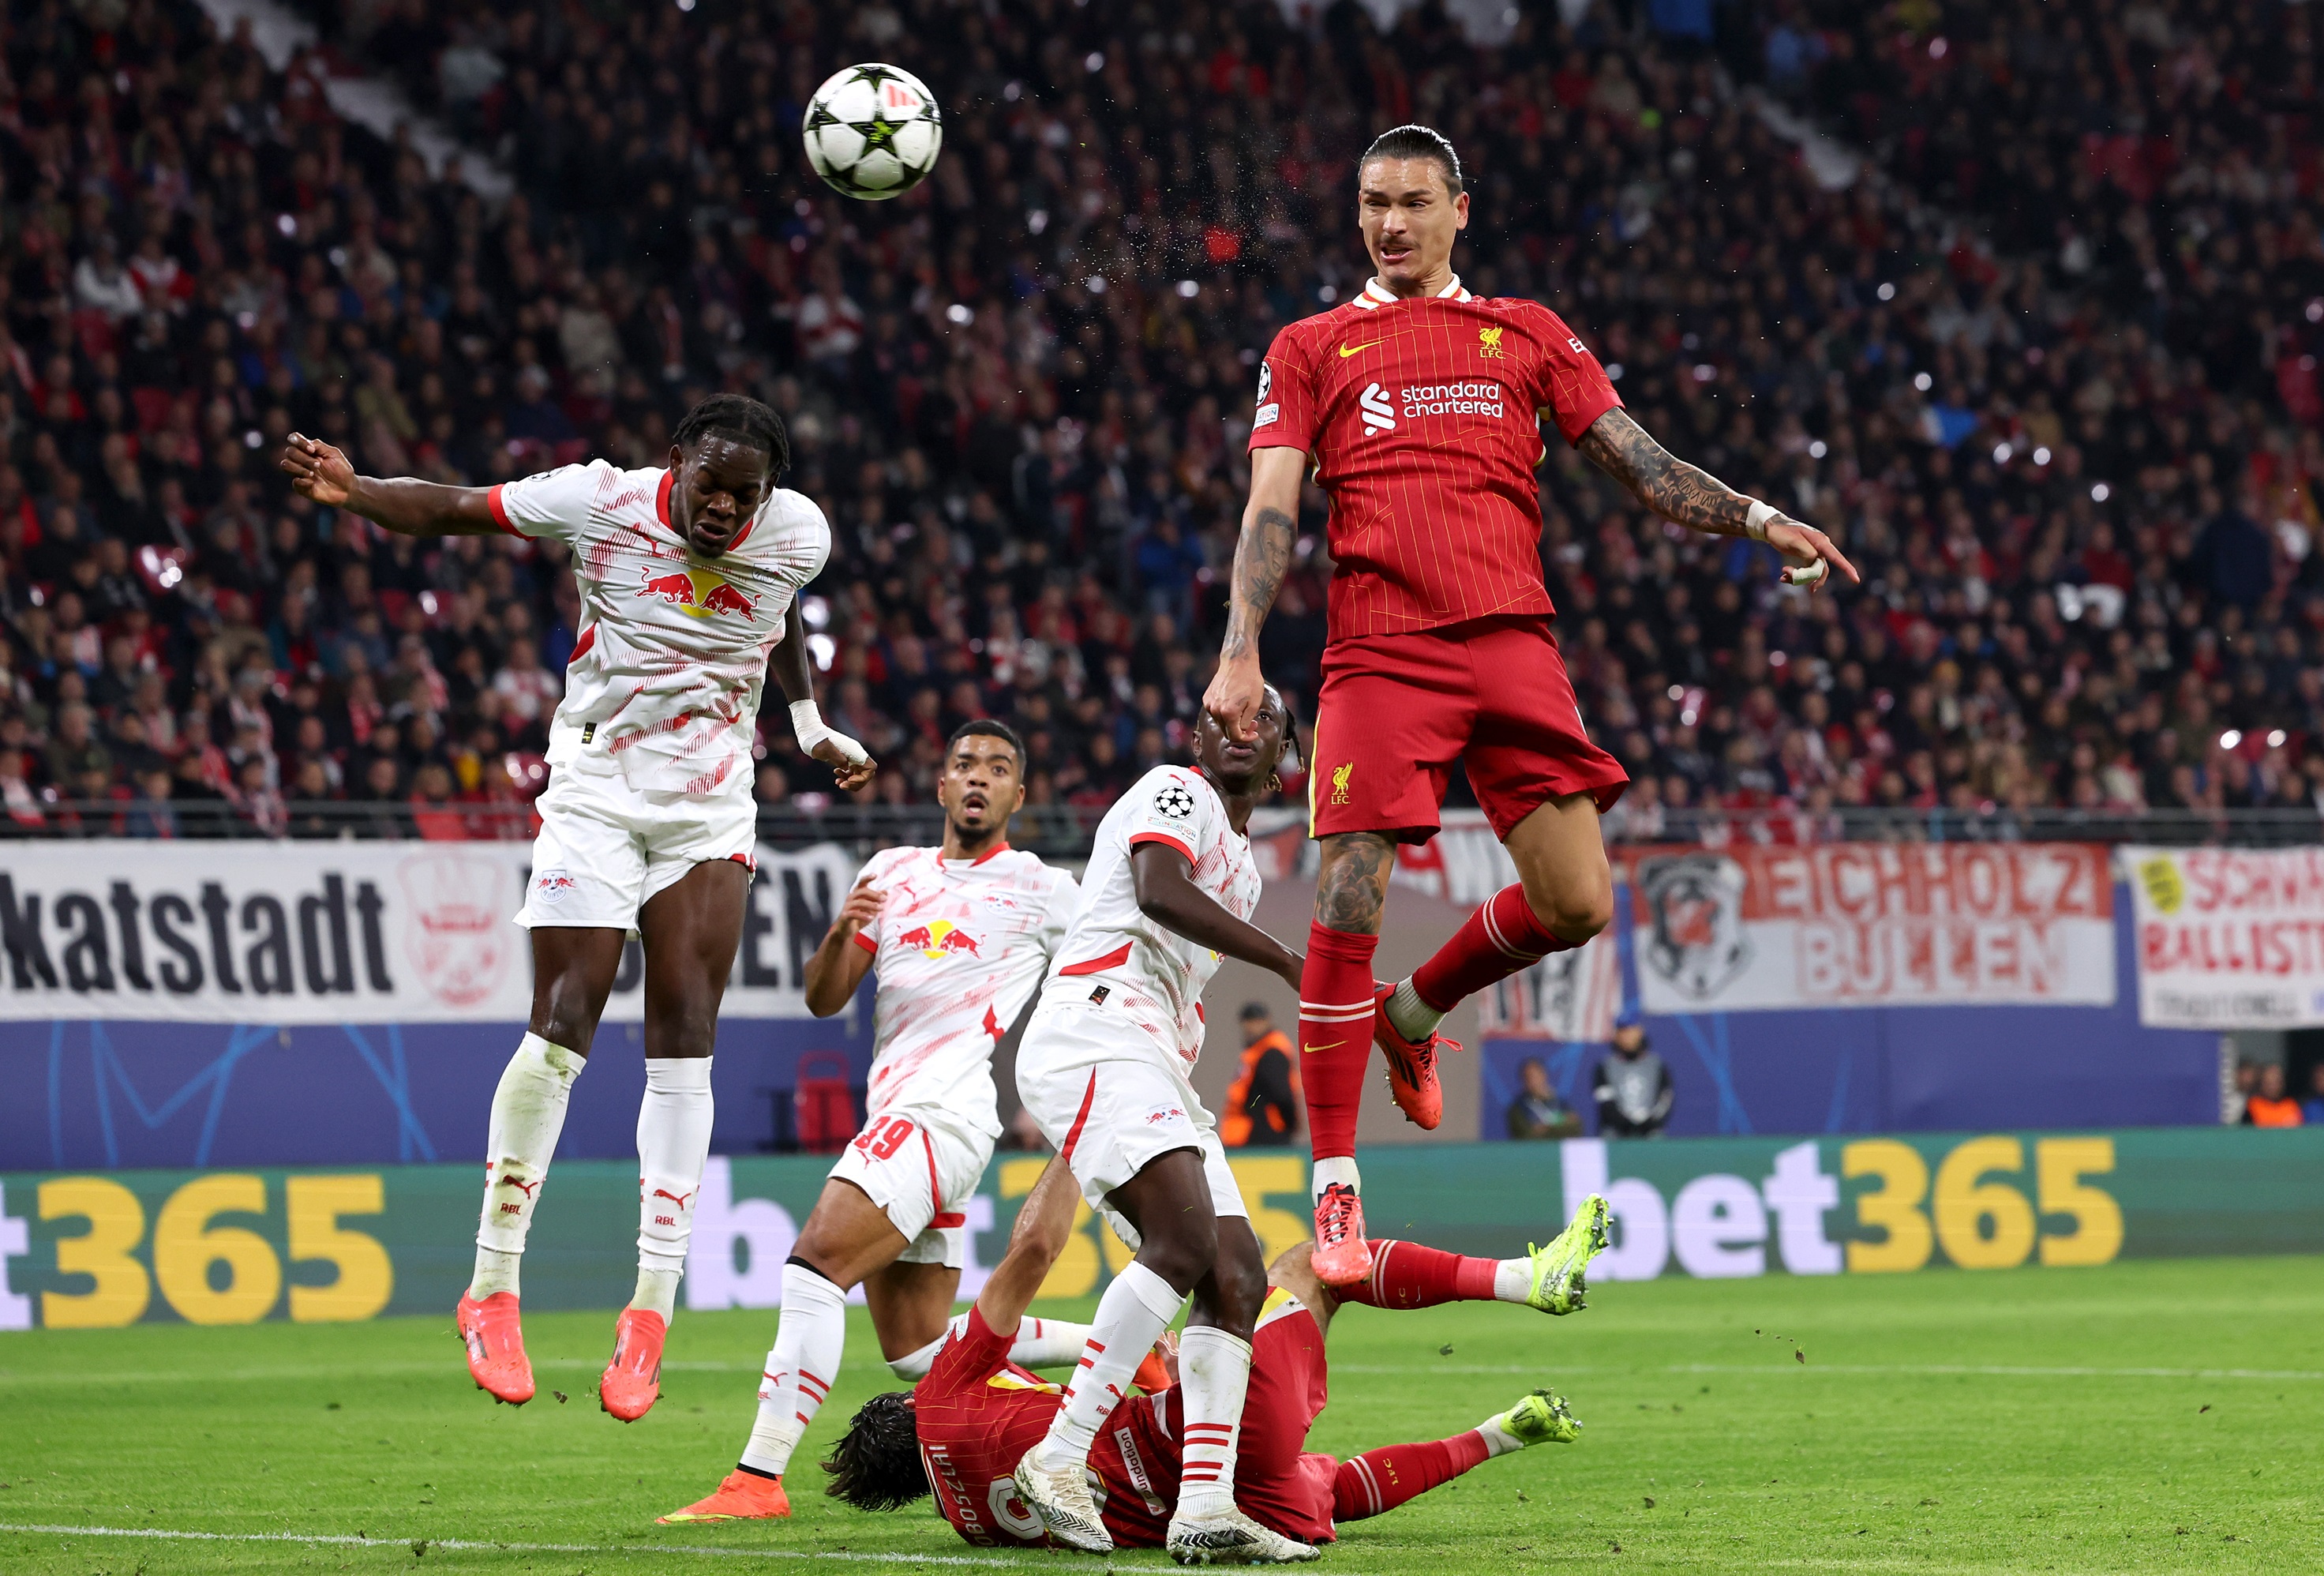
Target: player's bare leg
<point>573,969</point>
<point>1563,896</point>
<point>690,931</point>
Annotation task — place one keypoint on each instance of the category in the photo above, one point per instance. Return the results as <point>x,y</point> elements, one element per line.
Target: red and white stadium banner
<point>338,933</point>
<point>1867,925</point>
<point>2229,939</point>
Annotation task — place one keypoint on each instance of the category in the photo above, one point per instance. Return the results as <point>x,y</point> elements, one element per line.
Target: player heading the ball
<point>1419,407</point>
<point>688,573</point>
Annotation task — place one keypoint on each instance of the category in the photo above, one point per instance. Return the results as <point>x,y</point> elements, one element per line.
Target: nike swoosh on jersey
<point>1345,351</point>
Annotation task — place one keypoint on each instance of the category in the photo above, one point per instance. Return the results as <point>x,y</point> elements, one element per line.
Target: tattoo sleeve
<point>1681,492</point>
<point>1262,557</point>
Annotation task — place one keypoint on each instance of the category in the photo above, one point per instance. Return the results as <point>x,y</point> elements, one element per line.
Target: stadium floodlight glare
<point>1924,382</point>
<point>1886,291</point>
<point>1818,448</point>
<point>2275,737</point>
<point>1188,290</point>
<point>2001,453</point>
<point>2231,739</point>
<point>960,312</point>
<point>2040,457</point>
<point>1095,63</point>
<point>2100,493</point>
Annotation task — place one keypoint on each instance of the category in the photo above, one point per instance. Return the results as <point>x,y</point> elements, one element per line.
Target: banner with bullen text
<point>2228,938</point>
<point>1870,924</point>
<point>339,933</point>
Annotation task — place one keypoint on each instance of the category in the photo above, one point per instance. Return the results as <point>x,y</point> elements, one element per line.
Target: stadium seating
<point>2046,365</point>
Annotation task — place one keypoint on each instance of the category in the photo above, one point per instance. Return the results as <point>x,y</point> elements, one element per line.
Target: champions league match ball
<point>872,132</point>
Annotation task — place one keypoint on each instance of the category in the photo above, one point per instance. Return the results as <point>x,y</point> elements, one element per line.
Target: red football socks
<point>1502,938</point>
<point>1335,1035</point>
<point>1405,1275</point>
<point>1380,1480</point>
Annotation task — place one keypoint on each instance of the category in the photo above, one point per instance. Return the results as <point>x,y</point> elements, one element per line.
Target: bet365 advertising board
<point>95,1251</point>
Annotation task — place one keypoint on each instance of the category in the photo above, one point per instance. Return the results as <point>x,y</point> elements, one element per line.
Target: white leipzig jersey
<point>1114,946</point>
<point>673,647</point>
<point>959,947</point>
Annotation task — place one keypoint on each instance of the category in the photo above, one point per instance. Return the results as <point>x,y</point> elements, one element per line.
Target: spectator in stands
<point>1631,1086</point>
<point>1539,1111</point>
<point>2270,1106</point>
<point>1263,1102</point>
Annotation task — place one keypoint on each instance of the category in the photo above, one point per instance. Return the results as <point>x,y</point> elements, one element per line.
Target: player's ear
<point>1461,212</point>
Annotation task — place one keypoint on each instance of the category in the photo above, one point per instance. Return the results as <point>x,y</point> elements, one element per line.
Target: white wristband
<point>809,728</point>
<point>1754,522</point>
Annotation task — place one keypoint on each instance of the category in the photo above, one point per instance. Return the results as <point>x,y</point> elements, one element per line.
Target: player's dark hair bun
<point>1416,142</point>
<point>739,419</point>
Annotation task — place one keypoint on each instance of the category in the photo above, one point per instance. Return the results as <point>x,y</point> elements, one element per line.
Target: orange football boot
<point>631,1382</point>
<point>496,1343</point>
<point>743,1496</point>
<point>1342,1256</point>
<point>1154,1375</point>
<point>1411,1065</point>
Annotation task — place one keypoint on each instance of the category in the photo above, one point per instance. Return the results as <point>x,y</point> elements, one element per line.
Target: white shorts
<point>604,848</point>
<point>1113,1099</point>
<point>921,1168</point>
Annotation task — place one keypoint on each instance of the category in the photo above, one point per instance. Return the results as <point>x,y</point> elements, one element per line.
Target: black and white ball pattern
<point>873,131</point>
<point>1174,800</point>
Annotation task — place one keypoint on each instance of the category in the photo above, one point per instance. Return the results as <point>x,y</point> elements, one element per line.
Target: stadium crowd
<point>2047,368</point>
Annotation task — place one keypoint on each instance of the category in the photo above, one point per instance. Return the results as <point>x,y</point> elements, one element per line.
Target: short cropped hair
<point>739,419</point>
<point>1416,142</point>
<point>994,726</point>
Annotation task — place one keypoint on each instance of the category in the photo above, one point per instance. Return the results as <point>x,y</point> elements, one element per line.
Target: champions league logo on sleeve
<point>1694,906</point>
<point>1175,802</point>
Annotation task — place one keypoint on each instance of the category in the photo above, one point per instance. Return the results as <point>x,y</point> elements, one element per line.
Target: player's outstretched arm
<point>403,504</point>
<point>1043,1225</point>
<point>852,766</point>
<point>1167,895</point>
<point>1270,529</point>
<point>1689,496</point>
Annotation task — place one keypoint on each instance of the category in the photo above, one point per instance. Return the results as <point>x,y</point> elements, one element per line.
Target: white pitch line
<point>468,1545</point>
<point>2005,1371</point>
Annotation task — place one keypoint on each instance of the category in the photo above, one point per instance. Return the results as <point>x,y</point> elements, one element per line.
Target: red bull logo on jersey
<point>703,593</point>
<point>939,940</point>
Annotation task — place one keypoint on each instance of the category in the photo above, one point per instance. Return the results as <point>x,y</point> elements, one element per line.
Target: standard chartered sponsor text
<point>1454,399</point>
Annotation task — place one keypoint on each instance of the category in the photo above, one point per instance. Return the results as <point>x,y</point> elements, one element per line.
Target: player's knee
<point>1243,1290</point>
<point>1575,912</point>
<point>1183,1254</point>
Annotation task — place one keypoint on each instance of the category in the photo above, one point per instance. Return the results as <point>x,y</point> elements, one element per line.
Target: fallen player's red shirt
<point>977,1414</point>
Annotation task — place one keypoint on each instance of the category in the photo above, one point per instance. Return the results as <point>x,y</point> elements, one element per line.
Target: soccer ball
<point>872,131</point>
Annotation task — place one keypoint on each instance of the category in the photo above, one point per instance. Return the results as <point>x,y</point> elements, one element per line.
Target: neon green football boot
<point>1541,1418</point>
<point>1559,1268</point>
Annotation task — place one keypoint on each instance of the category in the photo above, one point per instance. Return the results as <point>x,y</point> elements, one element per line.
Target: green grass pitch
<point>2154,1415</point>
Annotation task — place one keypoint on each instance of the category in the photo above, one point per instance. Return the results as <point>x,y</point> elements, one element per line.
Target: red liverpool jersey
<point>1423,418</point>
<point>977,1414</point>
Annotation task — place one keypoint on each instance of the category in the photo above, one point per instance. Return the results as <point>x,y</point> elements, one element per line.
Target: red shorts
<point>1276,1482</point>
<point>1397,710</point>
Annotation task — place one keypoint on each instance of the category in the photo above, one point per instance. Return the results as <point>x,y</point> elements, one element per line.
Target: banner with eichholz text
<point>338,933</point>
<point>232,1247</point>
<point>1872,924</point>
<point>2228,938</point>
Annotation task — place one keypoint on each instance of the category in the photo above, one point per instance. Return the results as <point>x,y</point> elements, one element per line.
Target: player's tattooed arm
<point>403,504</point>
<point>1270,530</point>
<point>1167,895</point>
<point>1687,495</point>
<point>1352,889</point>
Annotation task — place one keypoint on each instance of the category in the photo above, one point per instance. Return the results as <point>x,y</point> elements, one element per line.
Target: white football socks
<point>1413,1018</point>
<point>1040,1343</point>
<point>673,1140</point>
<point>1213,1372</point>
<point>1498,1441</point>
<point>528,1114</point>
<point>1131,1316</point>
<point>799,1370</point>
<point>1337,1168</point>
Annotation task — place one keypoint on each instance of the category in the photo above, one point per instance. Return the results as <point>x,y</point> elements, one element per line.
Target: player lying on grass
<point>687,575</point>
<point>1419,406</point>
<point>1104,1069</point>
<point>961,1428</point>
<point>960,936</point>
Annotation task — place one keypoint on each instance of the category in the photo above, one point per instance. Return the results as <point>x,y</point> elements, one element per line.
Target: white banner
<point>1868,924</point>
<point>2229,939</point>
<point>338,933</point>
